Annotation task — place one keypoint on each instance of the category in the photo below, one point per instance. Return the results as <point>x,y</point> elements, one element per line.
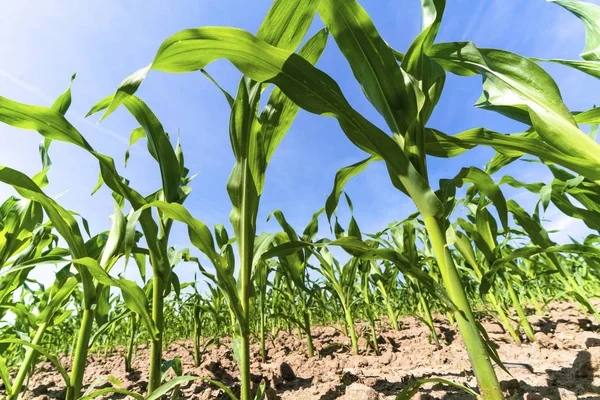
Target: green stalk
<point>536,303</point>
<point>246,248</point>
<point>573,286</point>
<point>427,312</point>
<point>373,334</point>
<point>158,288</point>
<point>263,347</point>
<point>467,326</point>
<point>197,334</point>
<point>79,362</point>
<point>245,365</point>
<point>540,295</point>
<point>309,342</point>
<point>520,312</point>
<point>388,305</point>
<point>351,330</point>
<point>391,315</point>
<point>129,357</point>
<point>505,321</point>
<point>27,362</point>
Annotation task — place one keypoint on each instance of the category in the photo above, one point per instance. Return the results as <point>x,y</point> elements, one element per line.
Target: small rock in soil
<point>587,363</point>
<point>358,391</point>
<point>286,372</point>
<point>533,396</point>
<point>592,342</point>
<point>544,341</point>
<point>511,386</point>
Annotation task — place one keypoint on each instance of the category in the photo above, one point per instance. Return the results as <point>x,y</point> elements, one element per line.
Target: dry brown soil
<point>564,363</point>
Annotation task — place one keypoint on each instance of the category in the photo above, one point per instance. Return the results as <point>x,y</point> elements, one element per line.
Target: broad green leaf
<point>311,89</point>
<point>520,89</point>
<point>43,351</point>
<point>442,145</point>
<point>279,113</point>
<point>589,67</point>
<point>486,186</point>
<point>287,22</point>
<point>115,237</point>
<point>372,62</point>
<point>158,142</point>
<point>413,388</point>
<point>342,177</point>
<point>429,78</point>
<point>589,14</point>
<point>134,296</point>
<point>63,102</point>
<point>166,387</point>
<point>51,124</point>
<point>57,301</point>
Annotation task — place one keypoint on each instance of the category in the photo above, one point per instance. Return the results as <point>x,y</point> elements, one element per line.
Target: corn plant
<point>486,267</point>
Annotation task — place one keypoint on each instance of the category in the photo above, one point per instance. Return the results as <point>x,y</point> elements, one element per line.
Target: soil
<point>564,363</point>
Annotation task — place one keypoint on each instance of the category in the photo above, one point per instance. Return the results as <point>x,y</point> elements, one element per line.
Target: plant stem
<point>27,362</point>
<point>79,362</point>
<point>373,334</point>
<point>352,331</point>
<point>505,321</point>
<point>158,287</point>
<point>263,347</point>
<point>391,314</point>
<point>429,320</point>
<point>129,358</point>
<point>467,326</point>
<point>535,302</point>
<point>245,378</point>
<point>520,312</point>
<point>309,342</point>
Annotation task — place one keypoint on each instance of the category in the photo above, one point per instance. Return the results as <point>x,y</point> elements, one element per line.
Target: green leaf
<point>372,62</point>
<point>287,22</point>
<point>112,390</point>
<point>589,14</point>
<point>63,102</point>
<point>158,142</point>
<point>136,135</point>
<point>166,387</point>
<point>52,358</point>
<point>134,296</point>
<point>439,144</point>
<point>5,376</point>
<point>342,177</point>
<point>57,301</point>
<point>518,88</point>
<point>413,388</point>
<point>589,67</point>
<point>115,237</point>
<point>311,89</point>
<point>486,186</point>
<point>279,113</point>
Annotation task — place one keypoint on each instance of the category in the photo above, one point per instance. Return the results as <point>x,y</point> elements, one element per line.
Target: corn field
<point>467,252</point>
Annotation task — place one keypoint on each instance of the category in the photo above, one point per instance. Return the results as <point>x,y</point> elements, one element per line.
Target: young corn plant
<point>405,96</point>
<point>254,139</point>
<point>294,272</point>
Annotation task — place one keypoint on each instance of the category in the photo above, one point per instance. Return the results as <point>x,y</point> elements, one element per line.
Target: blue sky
<point>103,42</point>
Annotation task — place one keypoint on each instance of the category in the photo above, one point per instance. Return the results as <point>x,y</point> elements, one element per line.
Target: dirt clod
<point>358,391</point>
<point>286,372</point>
